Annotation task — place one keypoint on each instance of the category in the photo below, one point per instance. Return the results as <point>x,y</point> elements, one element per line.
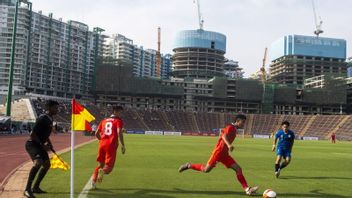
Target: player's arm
<point>97,134</point>
<point>120,132</point>
<point>293,141</point>
<point>274,143</point>
<point>226,140</point>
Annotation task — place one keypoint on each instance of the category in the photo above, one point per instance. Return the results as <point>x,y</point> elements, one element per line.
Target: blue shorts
<point>283,152</point>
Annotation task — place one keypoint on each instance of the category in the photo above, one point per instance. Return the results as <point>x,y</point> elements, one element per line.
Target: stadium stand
<point>344,131</point>
<point>266,124</point>
<point>182,121</point>
<point>154,120</point>
<point>20,110</point>
<point>298,122</point>
<point>206,122</point>
<point>320,126</point>
<point>133,120</point>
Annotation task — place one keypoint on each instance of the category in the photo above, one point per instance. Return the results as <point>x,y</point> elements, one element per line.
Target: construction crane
<point>200,17</point>
<point>262,69</point>
<point>318,21</point>
<point>158,56</point>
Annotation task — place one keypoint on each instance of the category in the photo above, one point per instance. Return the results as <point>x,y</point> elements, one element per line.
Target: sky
<point>249,25</point>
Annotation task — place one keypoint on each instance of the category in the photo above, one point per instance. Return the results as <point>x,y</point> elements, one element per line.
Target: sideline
<point>86,189</point>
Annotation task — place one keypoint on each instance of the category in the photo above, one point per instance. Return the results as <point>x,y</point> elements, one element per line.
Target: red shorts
<point>107,155</point>
<point>222,157</point>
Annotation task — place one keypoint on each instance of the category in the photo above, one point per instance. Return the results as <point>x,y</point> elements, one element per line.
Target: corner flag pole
<point>72,176</point>
<point>72,180</point>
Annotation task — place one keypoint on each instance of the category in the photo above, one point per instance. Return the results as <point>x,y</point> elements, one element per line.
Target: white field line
<point>86,189</point>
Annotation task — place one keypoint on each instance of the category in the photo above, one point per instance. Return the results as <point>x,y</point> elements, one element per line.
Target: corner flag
<point>80,117</point>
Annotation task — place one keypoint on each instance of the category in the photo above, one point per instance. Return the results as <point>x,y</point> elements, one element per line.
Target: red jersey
<point>230,131</point>
<point>108,131</point>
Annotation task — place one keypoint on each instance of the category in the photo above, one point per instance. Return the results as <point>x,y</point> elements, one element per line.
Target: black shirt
<point>42,128</point>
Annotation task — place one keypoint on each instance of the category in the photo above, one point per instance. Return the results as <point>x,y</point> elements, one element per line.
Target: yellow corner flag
<point>57,162</point>
<point>80,117</point>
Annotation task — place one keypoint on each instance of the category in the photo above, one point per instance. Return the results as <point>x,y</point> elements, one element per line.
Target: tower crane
<point>262,69</point>
<point>200,17</point>
<point>158,56</point>
<point>318,21</point>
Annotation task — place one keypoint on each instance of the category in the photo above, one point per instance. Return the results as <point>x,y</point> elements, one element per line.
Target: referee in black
<point>38,146</point>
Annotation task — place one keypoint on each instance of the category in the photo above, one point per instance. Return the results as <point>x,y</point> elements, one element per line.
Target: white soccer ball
<point>268,193</point>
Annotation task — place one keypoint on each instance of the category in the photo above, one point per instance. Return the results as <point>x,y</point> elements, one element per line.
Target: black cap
<point>50,103</point>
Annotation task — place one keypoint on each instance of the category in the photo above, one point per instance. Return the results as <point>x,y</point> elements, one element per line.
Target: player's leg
<point>98,171</point>
<point>110,160</point>
<point>287,160</point>
<point>108,164</point>
<point>229,162</point>
<point>200,167</point>
<point>99,168</point>
<point>197,167</point>
<point>277,165</point>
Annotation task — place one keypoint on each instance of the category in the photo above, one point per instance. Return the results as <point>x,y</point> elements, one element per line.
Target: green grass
<point>149,170</point>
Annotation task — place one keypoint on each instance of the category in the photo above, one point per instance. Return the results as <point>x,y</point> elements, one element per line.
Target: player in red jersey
<point>333,138</point>
<point>221,154</point>
<point>109,132</point>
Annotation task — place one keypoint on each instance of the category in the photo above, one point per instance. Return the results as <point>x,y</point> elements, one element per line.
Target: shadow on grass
<point>313,193</point>
<point>313,177</point>
<point>156,193</point>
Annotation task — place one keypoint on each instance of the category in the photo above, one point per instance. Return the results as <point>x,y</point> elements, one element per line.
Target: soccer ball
<point>268,193</point>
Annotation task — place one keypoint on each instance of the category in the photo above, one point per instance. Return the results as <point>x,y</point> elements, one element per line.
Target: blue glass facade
<point>200,39</point>
<point>308,46</point>
<point>349,72</point>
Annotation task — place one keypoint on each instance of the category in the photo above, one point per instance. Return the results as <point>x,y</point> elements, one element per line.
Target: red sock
<point>95,173</point>
<point>197,167</point>
<point>242,180</point>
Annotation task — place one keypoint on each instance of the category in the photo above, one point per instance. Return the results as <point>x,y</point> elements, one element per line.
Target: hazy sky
<point>250,25</point>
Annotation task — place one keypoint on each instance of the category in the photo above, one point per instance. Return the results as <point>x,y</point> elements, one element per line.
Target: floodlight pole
<point>13,48</point>
<point>13,52</point>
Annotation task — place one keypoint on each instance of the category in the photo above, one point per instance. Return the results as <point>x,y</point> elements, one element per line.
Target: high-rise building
<point>52,57</point>
<point>143,60</point>
<point>295,58</point>
<point>232,69</point>
<point>349,67</point>
<point>7,15</point>
<point>199,54</point>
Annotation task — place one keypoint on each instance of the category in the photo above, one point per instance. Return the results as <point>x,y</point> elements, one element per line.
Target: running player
<point>284,147</point>
<point>109,132</point>
<point>221,154</point>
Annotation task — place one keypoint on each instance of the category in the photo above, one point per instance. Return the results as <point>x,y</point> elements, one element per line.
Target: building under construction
<point>117,85</point>
<point>295,58</point>
<point>199,54</point>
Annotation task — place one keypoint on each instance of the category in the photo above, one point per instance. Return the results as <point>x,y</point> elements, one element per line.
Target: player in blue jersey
<point>284,147</point>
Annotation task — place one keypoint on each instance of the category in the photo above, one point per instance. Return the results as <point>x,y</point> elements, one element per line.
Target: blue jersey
<point>285,139</point>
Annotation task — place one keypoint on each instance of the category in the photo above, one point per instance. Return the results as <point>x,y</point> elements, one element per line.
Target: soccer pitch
<point>149,169</point>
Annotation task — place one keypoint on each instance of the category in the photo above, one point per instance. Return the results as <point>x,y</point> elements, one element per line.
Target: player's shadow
<point>313,177</point>
<point>156,193</point>
<point>313,193</point>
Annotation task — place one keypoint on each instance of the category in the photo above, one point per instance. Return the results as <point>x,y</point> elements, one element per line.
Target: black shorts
<point>36,151</point>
